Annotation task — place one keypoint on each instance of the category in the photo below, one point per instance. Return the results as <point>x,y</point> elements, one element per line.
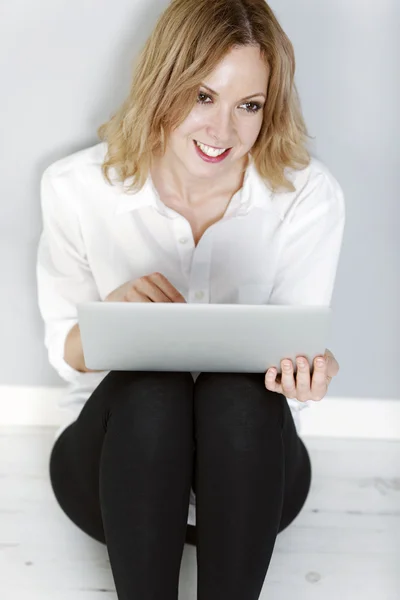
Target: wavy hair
<point>189,39</point>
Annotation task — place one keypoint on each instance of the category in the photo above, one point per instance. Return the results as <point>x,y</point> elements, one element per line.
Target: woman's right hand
<point>149,288</point>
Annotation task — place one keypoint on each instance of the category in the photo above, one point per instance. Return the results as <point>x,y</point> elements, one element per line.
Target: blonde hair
<point>190,38</point>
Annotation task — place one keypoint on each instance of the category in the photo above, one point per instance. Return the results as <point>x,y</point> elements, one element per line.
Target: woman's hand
<point>299,385</point>
<point>149,288</point>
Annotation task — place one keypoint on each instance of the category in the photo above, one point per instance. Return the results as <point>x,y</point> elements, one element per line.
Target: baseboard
<point>367,418</point>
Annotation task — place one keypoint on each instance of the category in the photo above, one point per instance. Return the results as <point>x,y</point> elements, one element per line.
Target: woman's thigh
<point>75,458</point>
<point>298,470</point>
<point>249,389</point>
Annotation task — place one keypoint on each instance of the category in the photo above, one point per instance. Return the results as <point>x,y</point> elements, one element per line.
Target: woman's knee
<point>124,387</point>
<point>234,403</point>
<point>151,402</point>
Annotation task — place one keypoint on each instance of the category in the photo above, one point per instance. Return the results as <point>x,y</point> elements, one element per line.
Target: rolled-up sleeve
<point>64,278</point>
<point>310,245</point>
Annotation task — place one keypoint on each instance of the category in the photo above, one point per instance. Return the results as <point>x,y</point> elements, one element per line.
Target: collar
<point>253,193</point>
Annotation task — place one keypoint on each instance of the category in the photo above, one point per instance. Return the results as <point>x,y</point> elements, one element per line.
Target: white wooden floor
<point>344,545</point>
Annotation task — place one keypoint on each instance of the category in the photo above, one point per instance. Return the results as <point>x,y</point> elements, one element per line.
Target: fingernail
<point>320,362</point>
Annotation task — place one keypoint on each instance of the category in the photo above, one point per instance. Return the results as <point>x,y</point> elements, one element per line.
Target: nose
<point>222,128</point>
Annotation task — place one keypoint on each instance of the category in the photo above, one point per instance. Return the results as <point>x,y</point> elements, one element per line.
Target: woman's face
<point>233,114</point>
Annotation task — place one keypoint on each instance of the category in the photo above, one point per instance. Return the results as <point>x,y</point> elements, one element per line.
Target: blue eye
<point>254,110</point>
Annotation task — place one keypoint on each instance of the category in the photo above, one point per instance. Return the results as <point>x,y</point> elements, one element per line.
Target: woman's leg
<point>252,477</point>
<point>122,473</point>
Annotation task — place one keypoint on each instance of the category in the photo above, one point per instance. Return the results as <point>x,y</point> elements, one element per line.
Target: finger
<point>319,385</point>
<point>167,288</point>
<point>333,365</point>
<point>303,379</point>
<point>288,382</point>
<point>148,288</point>
<point>135,296</point>
<point>270,381</point>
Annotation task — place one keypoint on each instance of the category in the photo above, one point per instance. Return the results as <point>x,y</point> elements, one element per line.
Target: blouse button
<point>183,240</point>
<point>199,295</point>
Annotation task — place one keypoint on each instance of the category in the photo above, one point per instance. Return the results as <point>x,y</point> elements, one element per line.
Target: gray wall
<point>66,66</point>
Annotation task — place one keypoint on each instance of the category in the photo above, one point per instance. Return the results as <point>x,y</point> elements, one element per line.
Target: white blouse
<point>273,248</point>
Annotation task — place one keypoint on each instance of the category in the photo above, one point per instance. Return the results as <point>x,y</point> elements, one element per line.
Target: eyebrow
<point>245,98</point>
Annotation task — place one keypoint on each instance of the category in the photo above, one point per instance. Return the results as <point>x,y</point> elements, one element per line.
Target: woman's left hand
<point>299,385</point>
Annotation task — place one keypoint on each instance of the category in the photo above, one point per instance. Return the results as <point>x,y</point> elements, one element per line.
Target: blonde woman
<point>200,190</point>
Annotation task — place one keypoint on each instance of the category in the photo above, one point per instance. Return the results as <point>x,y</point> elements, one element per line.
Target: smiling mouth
<point>214,147</point>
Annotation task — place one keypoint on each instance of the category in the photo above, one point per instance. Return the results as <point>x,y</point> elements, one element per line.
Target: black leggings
<point>122,472</point>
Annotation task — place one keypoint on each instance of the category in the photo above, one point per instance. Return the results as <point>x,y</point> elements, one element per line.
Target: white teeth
<point>210,151</point>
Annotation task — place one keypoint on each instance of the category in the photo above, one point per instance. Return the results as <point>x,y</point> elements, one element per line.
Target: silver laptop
<point>135,336</point>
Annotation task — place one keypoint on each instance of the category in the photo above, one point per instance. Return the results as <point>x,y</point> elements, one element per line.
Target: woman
<point>201,190</point>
